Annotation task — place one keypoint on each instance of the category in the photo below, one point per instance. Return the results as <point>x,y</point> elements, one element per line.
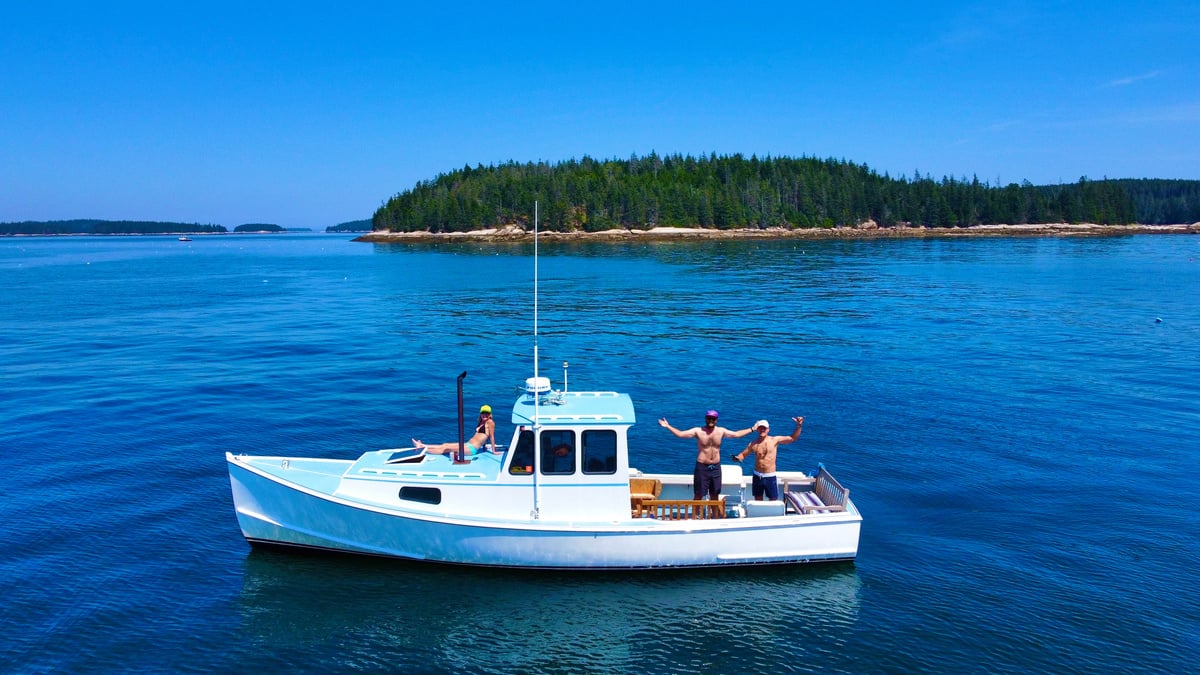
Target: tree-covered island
<point>736,192</point>
<point>351,226</point>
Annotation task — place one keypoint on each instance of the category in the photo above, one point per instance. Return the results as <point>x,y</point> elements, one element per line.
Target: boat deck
<point>483,467</point>
<point>325,475</point>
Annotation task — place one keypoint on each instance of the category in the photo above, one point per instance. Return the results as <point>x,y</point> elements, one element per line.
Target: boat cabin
<point>580,442</point>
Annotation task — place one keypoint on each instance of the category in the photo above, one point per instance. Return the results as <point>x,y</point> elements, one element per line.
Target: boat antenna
<point>535,307</point>
<point>537,422</point>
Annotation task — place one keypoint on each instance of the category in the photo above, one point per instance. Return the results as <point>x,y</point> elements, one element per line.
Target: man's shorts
<point>765,484</point>
<point>708,480</point>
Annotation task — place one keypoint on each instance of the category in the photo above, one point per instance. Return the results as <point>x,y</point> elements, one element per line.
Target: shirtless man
<point>708,459</point>
<point>764,448</point>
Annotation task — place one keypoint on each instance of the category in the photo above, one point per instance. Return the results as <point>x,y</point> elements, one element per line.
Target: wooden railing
<point>679,509</point>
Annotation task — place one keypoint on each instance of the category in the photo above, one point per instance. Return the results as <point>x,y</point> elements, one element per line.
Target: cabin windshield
<point>562,450</point>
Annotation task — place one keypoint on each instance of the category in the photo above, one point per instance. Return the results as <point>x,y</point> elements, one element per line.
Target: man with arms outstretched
<point>708,458</point>
<point>765,447</point>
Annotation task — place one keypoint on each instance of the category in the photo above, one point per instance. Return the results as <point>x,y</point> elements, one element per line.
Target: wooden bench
<point>827,495</point>
<point>680,509</point>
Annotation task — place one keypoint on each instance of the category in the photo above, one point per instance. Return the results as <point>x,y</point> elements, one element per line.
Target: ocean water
<point>1016,418</point>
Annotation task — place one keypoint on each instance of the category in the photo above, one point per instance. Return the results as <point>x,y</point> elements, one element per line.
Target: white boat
<point>185,238</point>
<point>534,506</point>
<point>529,507</point>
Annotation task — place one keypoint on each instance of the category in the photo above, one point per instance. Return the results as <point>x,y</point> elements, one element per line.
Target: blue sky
<point>310,115</point>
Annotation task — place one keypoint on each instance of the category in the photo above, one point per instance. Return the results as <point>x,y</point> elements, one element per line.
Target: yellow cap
<point>486,409</point>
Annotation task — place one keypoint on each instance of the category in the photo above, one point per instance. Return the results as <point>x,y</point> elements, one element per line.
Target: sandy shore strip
<point>865,231</point>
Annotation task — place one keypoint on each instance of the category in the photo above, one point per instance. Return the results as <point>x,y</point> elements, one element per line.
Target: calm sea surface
<point>1017,419</point>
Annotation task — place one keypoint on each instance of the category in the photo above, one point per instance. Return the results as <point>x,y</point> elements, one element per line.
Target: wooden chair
<point>643,489</point>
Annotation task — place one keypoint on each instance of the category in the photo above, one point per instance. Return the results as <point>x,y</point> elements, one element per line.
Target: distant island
<point>352,226</point>
<point>734,193</point>
<point>134,227</point>
<point>91,226</point>
<point>258,227</point>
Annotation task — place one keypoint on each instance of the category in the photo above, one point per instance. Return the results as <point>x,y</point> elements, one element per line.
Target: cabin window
<point>522,456</point>
<point>600,451</point>
<point>425,495</point>
<point>558,452</point>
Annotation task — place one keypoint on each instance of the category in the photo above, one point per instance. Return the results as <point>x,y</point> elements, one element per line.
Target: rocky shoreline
<point>867,230</point>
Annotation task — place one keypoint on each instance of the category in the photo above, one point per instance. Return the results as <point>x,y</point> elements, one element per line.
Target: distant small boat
<point>185,238</point>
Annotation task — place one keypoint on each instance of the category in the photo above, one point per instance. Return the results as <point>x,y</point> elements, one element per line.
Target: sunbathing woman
<point>485,432</point>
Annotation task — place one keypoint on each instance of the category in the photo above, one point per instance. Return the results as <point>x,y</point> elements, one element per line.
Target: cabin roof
<point>604,408</point>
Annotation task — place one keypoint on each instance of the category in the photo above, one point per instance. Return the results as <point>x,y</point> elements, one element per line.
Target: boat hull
<point>273,511</point>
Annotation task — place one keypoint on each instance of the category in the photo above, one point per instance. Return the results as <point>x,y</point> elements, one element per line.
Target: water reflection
<point>370,612</point>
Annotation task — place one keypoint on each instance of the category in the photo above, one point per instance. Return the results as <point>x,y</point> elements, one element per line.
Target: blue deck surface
<point>484,466</point>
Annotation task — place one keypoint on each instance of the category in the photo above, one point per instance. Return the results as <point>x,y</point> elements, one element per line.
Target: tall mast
<point>535,309</point>
<point>537,424</point>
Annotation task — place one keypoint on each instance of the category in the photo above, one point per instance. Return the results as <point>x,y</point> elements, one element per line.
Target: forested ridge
<point>728,192</point>
<point>1157,201</point>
